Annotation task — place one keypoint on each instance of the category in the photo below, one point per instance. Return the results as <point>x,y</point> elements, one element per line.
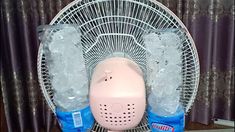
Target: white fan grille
<point>118,26</point>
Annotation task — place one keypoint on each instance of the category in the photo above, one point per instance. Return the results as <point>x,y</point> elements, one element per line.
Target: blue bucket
<point>172,123</point>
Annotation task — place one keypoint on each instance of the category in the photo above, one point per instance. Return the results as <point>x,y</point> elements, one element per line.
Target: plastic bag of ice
<point>66,67</point>
<point>164,71</point>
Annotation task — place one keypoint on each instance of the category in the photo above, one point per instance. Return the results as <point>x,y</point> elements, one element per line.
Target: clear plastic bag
<point>164,70</point>
<point>66,65</point>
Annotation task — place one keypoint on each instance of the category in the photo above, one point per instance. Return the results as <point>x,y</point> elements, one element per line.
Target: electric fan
<point>115,56</point>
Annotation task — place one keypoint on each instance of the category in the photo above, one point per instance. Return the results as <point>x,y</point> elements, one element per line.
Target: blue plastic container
<point>75,121</point>
<point>173,123</point>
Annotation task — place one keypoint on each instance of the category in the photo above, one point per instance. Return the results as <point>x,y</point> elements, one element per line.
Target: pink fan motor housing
<point>117,93</point>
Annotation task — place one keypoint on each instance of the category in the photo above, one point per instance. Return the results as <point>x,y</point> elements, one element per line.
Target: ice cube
<point>164,77</point>
<point>67,69</point>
